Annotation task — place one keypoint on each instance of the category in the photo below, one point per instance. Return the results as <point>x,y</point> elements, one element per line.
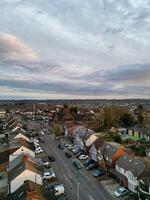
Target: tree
<point>140,107</point>
<point>56,129</point>
<point>117,138</point>
<point>140,119</point>
<point>127,120</point>
<point>74,109</point>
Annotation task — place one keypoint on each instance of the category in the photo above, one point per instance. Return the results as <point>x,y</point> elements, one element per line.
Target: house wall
<point>26,175</point>
<point>132,182</point>
<point>120,170</point>
<point>20,151</point>
<point>130,132</point>
<point>93,153</point>
<point>79,142</point>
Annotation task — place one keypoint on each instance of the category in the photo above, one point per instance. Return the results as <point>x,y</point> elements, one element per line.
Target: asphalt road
<point>78,184</point>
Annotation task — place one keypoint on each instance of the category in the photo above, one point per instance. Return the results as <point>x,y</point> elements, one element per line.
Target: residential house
<point>24,171</point>
<point>28,191</point>
<point>80,135</point>
<point>22,136</point>
<point>20,146</point>
<point>2,114</point>
<point>89,140</point>
<point>128,170</point>
<point>138,133</point>
<point>111,154</point>
<point>21,150</point>
<point>93,151</point>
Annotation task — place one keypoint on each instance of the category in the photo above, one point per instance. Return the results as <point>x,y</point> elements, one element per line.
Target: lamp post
<point>78,191</point>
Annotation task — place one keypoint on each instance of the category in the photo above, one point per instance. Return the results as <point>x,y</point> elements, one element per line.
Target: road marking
<point>90,197</point>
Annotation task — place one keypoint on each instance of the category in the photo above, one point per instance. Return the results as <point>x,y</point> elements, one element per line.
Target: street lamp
<point>78,191</point>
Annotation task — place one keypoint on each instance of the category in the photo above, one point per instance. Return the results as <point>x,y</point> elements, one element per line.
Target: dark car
<point>61,146</point>
<point>77,164</point>
<point>68,154</point>
<point>89,161</point>
<point>44,158</point>
<point>62,198</point>
<point>98,173</point>
<point>51,158</point>
<point>91,166</point>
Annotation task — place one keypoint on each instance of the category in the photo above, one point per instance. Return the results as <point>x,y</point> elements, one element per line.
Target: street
<point>79,184</point>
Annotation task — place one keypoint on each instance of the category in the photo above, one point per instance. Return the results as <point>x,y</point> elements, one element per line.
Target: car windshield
<point>121,190</point>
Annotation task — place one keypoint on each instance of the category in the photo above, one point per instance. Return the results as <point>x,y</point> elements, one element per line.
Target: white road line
<point>90,197</point>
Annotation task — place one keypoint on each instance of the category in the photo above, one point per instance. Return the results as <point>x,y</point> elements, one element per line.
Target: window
<point>131,187</point>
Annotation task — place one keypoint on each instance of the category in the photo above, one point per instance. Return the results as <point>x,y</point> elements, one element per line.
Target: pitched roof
<point>109,150</point>
<point>20,158</point>
<point>22,166</point>
<point>29,190</point>
<point>98,143</point>
<point>136,166</point>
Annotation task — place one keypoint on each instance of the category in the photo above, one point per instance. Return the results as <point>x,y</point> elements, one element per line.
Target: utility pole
<point>78,191</point>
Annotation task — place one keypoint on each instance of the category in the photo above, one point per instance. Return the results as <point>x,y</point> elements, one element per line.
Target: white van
<point>58,189</point>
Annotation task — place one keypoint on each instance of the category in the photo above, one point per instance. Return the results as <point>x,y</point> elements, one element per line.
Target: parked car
<point>67,144</point>
<point>120,192</point>
<point>83,157</point>
<point>38,148</point>
<point>91,166</point>
<point>98,173</point>
<point>46,131</point>
<point>68,154</point>
<point>46,164</point>
<point>75,150</point>
<point>77,164</point>
<point>61,146</point>
<point>44,159</point>
<point>51,158</point>
<point>61,198</point>
<point>58,189</point>
<point>38,151</point>
<point>49,175</point>
<point>42,133</point>
<point>79,153</point>
<point>70,147</point>
<point>89,161</point>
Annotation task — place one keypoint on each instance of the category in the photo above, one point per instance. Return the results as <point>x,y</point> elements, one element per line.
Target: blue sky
<point>74,49</point>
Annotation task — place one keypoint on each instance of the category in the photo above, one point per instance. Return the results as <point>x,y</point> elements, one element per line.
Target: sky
<point>70,49</point>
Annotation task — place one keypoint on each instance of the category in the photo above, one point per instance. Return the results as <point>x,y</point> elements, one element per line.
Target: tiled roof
<point>136,166</point>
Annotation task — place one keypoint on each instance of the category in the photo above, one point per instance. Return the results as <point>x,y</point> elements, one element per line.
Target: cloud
<point>11,48</point>
<point>80,48</point>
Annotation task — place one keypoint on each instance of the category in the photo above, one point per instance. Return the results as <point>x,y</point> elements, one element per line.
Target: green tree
<point>74,109</point>
<point>127,120</point>
<point>117,138</point>
<point>140,119</point>
<point>56,129</point>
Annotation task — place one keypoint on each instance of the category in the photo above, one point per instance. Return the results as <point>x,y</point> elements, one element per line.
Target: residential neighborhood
<point>48,146</point>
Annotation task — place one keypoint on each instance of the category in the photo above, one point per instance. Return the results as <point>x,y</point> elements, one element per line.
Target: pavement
<point>79,184</point>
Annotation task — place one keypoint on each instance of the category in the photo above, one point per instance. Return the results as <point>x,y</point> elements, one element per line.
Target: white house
<point>22,172</point>
<point>131,169</point>
<point>21,150</point>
